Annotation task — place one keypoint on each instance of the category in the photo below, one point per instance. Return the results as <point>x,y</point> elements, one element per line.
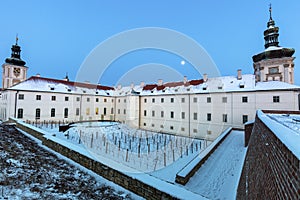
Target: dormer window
<point>242,85</point>
<point>51,88</point>
<point>69,90</point>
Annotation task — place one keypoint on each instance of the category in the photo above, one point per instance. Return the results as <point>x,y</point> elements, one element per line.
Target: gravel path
<point>27,171</point>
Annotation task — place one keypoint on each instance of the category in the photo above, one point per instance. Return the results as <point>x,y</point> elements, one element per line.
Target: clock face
<point>17,71</point>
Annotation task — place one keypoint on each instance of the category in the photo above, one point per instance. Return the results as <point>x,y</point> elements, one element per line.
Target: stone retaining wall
<point>271,170</point>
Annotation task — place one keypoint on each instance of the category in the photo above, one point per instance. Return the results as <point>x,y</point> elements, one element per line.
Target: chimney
<point>142,84</point>
<point>119,87</point>
<point>38,75</point>
<point>185,80</point>
<point>204,77</point>
<point>239,74</point>
<point>131,85</point>
<point>160,82</point>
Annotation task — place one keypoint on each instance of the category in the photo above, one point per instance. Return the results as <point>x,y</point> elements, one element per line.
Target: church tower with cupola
<point>275,63</point>
<point>14,69</point>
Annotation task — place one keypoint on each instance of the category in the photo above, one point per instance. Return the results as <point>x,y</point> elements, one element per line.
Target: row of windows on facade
<point>244,119</point>
<point>53,98</point>
<point>195,116</point>
<point>66,112</point>
<point>276,99</point>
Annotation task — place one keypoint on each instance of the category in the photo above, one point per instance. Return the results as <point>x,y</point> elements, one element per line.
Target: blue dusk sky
<point>56,37</point>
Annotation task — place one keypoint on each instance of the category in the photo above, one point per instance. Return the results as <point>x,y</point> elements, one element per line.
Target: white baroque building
<point>197,108</point>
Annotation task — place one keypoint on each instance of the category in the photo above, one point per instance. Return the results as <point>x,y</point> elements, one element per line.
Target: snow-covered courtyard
<point>158,154</point>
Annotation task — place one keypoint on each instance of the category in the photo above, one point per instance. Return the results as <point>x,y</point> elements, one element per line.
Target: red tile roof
<point>172,84</point>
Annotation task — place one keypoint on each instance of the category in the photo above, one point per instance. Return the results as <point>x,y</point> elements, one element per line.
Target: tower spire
<point>270,10</point>
<point>271,34</point>
<point>17,39</point>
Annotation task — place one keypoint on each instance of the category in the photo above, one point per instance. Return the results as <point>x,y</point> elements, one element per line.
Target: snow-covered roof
<point>246,83</point>
<point>36,83</point>
<point>286,127</point>
<point>218,84</point>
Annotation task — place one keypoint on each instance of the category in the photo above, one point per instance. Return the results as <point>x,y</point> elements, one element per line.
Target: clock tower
<point>14,69</point>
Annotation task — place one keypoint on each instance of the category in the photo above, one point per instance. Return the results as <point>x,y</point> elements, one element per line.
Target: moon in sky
<point>182,62</point>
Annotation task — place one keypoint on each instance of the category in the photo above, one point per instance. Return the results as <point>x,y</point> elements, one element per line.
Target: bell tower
<point>275,63</point>
<point>14,69</point>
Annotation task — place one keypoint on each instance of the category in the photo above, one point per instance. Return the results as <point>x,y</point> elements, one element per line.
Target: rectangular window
<point>53,98</point>
<point>161,113</point>
<point>145,100</point>
<point>171,127</point>
<point>20,113</point>
<point>119,111</point>
<point>162,100</point>
<point>66,113</point>
<point>88,99</point>
<point>119,100</point>
<point>208,117</point>
<point>276,99</point>
<point>152,125</point>
<point>104,111</point>
<point>182,129</point>
<point>182,100</point>
<point>77,98</point>
<point>97,99</point>
<point>145,124</point>
<point>195,100</point>
<point>21,96</point>
<point>194,130</point>
<point>273,70</point>
<point>245,118</point>
<point>182,115</point>
<point>224,99</point>
<point>37,113</point>
<point>172,114</point>
<point>87,111</point>
<point>66,98</point>
<point>112,111</point>
<point>124,100</point>
<point>224,117</point>
<point>77,111</point>
<point>172,100</point>
<point>145,113</point>
<point>38,97</point>
<point>153,113</point>
<point>244,99</point>
<point>97,111</point>
<point>208,100</point>
<point>124,111</point>
<point>195,116</point>
<point>153,100</point>
<point>52,112</point>
<point>104,100</point>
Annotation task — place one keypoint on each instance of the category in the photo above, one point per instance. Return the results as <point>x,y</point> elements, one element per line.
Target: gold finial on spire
<point>270,10</point>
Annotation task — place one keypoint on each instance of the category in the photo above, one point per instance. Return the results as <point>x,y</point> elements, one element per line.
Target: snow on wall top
<point>286,127</point>
<point>211,85</point>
